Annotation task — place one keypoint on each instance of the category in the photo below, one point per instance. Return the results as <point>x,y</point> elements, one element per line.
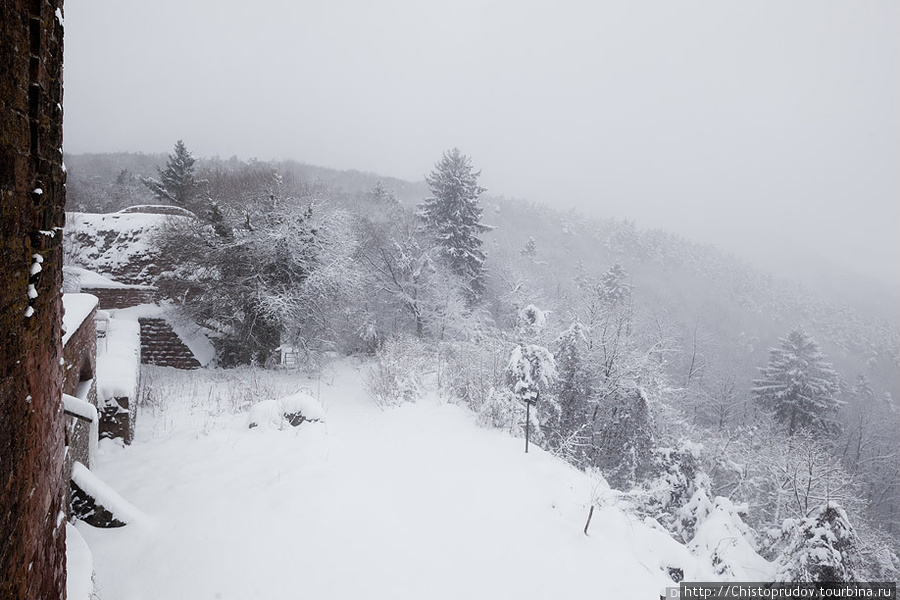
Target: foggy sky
<point>771,129</point>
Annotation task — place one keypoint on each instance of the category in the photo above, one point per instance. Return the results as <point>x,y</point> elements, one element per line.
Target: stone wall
<point>32,205</point>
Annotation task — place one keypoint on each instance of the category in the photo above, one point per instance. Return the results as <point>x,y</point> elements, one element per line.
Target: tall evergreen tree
<point>613,289</point>
<point>453,216</point>
<point>176,183</point>
<point>799,385</point>
<point>573,384</point>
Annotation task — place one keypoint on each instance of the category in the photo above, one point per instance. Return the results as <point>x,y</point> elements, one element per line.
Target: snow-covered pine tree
<point>624,438</point>
<point>530,249</point>
<point>453,216</point>
<point>573,390</point>
<point>821,548</point>
<point>380,195</point>
<point>798,385</point>
<point>176,183</point>
<point>613,290</point>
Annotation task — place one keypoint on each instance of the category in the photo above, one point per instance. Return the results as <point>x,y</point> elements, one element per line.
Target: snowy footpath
<point>408,502</point>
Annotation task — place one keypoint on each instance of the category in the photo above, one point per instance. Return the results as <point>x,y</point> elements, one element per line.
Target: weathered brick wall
<point>80,358</point>
<point>32,204</point>
<point>111,298</point>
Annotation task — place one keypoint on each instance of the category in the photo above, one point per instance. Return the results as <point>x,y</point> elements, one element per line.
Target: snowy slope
<point>411,502</point>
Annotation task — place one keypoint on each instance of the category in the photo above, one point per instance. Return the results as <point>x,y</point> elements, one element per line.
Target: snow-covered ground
<point>409,502</point>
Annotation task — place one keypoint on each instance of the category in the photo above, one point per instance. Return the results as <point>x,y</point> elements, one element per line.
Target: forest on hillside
<point>688,379</point>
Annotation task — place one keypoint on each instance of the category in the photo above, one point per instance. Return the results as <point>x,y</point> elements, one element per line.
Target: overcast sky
<point>769,128</point>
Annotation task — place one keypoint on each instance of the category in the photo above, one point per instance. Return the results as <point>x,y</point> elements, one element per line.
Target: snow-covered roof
<point>77,308</point>
<point>158,209</point>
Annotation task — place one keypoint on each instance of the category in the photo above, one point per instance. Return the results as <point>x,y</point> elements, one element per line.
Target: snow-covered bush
<point>722,537</point>
<point>879,554</point>
<point>677,497</point>
<point>291,410</point>
<point>399,371</point>
<point>822,547</point>
<point>471,370</point>
<point>502,409</point>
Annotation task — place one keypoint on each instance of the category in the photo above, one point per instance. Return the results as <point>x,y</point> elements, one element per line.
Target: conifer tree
<point>573,384</point>
<point>176,183</point>
<point>613,290</point>
<point>798,385</point>
<point>453,216</point>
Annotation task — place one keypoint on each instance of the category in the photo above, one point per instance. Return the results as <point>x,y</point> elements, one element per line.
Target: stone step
<point>161,346</point>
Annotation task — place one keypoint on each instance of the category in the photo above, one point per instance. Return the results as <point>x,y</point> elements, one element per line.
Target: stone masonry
<point>32,205</point>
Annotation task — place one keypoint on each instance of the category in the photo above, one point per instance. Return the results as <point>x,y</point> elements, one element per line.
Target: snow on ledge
<point>90,279</point>
<point>77,308</point>
<point>105,496</point>
<point>119,359</point>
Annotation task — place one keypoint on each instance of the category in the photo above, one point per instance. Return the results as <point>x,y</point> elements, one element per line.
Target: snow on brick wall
<point>32,204</point>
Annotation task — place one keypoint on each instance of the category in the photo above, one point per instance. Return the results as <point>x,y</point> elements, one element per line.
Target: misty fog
<point>768,129</point>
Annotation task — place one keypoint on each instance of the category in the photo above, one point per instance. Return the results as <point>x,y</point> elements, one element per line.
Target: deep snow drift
<point>409,502</point>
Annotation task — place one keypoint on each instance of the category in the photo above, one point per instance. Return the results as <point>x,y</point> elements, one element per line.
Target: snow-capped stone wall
<point>79,379</point>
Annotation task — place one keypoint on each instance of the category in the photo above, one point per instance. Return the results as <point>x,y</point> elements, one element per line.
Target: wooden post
<point>527,423</point>
<point>588,524</point>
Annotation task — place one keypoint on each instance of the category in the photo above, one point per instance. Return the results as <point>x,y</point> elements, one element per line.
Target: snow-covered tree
<point>624,438</point>
<point>530,320</point>
<point>530,372</point>
<point>453,217</point>
<point>613,288</point>
<point>530,249</point>
<point>410,289</point>
<point>678,496</point>
<point>573,391</point>
<point>821,548</point>
<point>284,276</point>
<point>798,385</point>
<point>382,196</point>
<point>177,183</point>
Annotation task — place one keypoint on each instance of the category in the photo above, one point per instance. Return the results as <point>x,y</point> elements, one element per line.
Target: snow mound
<point>79,566</point>
<point>77,277</point>
<point>723,539</point>
<point>291,410</point>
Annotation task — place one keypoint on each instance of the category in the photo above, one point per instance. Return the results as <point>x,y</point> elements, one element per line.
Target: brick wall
<point>32,204</point>
<point>80,357</point>
<point>111,298</point>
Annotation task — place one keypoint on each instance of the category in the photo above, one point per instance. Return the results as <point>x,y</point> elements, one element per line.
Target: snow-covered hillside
<point>410,502</point>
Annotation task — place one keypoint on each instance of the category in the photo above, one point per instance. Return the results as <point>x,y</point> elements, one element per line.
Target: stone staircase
<point>161,346</point>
